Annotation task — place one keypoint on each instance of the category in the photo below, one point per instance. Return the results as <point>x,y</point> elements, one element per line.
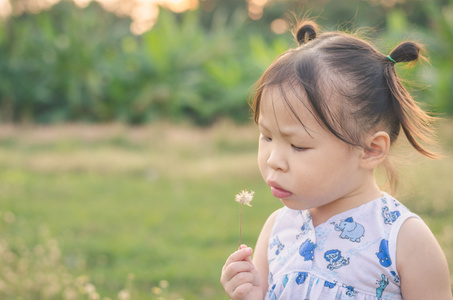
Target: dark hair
<point>345,78</point>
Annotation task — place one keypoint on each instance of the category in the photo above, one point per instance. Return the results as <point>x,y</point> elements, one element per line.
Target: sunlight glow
<point>143,13</point>
<point>279,26</point>
<point>5,9</point>
<point>82,3</point>
<point>179,5</point>
<point>255,8</point>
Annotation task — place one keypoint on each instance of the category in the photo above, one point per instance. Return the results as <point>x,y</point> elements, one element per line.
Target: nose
<point>277,160</point>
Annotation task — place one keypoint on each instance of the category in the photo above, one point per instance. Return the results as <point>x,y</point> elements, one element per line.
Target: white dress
<point>351,256</point>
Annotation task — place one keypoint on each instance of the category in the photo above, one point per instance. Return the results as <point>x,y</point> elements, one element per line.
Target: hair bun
<point>406,51</point>
<point>306,32</point>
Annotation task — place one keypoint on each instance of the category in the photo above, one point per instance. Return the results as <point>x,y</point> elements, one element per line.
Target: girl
<point>328,112</point>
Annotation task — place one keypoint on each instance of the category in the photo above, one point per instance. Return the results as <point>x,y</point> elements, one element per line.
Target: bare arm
<point>260,256</point>
<point>421,263</point>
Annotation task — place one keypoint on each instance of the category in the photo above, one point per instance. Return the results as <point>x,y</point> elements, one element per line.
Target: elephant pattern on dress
<point>341,243</point>
<point>350,230</point>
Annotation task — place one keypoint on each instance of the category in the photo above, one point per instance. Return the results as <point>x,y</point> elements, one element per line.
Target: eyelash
<point>298,149</point>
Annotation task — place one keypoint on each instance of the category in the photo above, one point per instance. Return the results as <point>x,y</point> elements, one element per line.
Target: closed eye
<point>299,149</point>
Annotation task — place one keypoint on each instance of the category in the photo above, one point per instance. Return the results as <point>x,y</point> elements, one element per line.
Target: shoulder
<point>421,264</point>
<point>267,230</point>
<point>271,220</point>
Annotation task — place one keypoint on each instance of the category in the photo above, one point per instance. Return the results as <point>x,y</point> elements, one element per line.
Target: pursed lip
<point>277,190</point>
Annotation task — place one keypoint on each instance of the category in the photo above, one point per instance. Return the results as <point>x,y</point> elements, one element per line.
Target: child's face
<point>305,167</point>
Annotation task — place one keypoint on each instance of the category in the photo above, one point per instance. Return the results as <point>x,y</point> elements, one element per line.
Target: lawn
<point>115,212</point>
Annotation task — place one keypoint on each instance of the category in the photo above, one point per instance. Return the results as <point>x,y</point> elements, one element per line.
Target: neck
<point>361,196</point>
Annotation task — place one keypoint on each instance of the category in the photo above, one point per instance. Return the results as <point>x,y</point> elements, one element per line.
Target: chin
<point>291,204</point>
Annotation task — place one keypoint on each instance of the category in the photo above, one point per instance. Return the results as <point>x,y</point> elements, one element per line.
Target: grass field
<point>114,212</point>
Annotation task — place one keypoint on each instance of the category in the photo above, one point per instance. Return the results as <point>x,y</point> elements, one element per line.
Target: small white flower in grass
<point>124,295</point>
<point>163,284</point>
<point>244,197</point>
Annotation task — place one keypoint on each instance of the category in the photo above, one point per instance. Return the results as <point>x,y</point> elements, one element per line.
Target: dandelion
<point>90,289</point>
<point>156,290</point>
<point>124,295</point>
<point>94,296</point>
<point>164,284</point>
<point>245,198</point>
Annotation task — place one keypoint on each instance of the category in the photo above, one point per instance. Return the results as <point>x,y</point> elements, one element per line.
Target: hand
<point>240,279</point>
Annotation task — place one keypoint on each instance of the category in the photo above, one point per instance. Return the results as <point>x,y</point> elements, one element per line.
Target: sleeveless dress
<point>350,256</point>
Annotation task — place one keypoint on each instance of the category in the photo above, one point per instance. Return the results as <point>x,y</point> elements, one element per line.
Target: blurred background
<point>125,133</point>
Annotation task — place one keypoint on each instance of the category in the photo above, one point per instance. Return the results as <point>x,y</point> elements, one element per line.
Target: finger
<point>235,268</point>
<point>241,291</point>
<point>239,283</point>
<point>241,278</point>
<point>243,246</point>
<point>239,255</point>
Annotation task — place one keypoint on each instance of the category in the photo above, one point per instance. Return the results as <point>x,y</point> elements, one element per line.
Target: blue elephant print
<point>350,230</point>
<point>330,285</point>
<point>301,277</point>
<point>383,283</point>
<point>383,254</point>
<point>276,242</point>
<point>307,250</point>
<point>390,216</point>
<point>335,259</point>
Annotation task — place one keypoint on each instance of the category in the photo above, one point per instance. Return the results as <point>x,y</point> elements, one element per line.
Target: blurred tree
<point>71,64</point>
<point>441,22</point>
<point>57,63</point>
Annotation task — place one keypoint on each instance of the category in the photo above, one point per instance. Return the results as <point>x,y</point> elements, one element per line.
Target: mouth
<point>278,191</point>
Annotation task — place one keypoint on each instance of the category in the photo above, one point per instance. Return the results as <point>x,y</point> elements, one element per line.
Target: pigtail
<point>416,124</point>
<point>407,52</point>
<point>306,31</point>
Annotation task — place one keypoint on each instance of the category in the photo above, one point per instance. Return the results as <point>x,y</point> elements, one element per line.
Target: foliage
<point>72,64</point>
<point>69,64</point>
<point>37,272</point>
<point>442,28</point>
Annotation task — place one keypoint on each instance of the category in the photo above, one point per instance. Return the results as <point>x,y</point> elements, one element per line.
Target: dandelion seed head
<point>90,289</point>
<point>163,284</point>
<point>94,296</point>
<point>124,295</point>
<point>245,197</point>
<point>157,290</point>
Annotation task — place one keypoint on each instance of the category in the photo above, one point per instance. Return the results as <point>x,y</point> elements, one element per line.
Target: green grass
<point>157,203</point>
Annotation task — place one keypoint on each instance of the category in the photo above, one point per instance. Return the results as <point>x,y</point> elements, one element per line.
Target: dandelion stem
<point>243,197</point>
<point>240,225</point>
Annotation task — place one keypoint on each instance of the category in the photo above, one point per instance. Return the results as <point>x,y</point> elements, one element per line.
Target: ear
<point>378,146</point>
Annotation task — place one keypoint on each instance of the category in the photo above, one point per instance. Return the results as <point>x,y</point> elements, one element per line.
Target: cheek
<point>262,158</point>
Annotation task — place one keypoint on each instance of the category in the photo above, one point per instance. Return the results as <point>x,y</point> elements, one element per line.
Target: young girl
<point>328,112</point>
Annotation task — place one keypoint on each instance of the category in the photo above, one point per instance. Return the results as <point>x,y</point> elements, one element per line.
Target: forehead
<point>287,107</point>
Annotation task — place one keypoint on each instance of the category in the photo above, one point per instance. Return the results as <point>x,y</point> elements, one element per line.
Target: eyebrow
<point>290,132</point>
